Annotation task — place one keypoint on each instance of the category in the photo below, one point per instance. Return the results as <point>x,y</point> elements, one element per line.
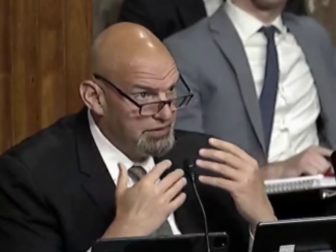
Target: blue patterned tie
<point>268,95</point>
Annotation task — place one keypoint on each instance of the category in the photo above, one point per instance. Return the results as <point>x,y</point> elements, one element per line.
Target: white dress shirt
<point>297,106</point>
<point>112,156</point>
<point>211,6</point>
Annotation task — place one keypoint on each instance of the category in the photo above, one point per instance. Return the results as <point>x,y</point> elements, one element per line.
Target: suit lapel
<point>190,11</point>
<point>227,39</point>
<point>96,178</point>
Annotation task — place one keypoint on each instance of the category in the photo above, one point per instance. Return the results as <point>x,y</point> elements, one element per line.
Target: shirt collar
<point>111,154</point>
<point>246,24</point>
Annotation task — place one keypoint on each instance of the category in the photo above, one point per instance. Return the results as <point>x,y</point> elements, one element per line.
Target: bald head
<point>127,46</point>
<point>131,59</point>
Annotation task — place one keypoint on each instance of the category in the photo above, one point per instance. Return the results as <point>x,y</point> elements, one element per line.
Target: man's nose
<point>165,113</point>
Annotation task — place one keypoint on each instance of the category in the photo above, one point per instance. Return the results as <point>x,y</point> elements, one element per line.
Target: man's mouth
<point>161,131</point>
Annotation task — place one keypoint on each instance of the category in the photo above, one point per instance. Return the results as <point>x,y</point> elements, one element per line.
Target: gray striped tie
<point>136,173</point>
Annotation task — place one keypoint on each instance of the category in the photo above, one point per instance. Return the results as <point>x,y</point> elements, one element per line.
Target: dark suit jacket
<point>57,195</point>
<point>165,17</point>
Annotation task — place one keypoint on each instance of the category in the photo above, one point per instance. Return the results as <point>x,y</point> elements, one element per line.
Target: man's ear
<point>92,96</point>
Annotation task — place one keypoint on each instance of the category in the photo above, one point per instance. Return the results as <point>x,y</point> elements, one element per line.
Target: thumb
<point>122,179</point>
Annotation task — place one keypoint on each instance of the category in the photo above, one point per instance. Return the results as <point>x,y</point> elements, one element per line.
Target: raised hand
<point>142,208</point>
<point>237,173</point>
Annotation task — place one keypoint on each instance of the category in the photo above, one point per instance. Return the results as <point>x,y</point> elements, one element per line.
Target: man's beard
<point>156,147</point>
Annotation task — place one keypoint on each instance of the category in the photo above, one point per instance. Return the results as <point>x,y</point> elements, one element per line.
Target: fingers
<point>324,151</point>
<point>174,190</point>
<point>322,164</point>
<point>177,202</point>
<point>317,166</point>
<point>217,182</point>
<point>221,169</point>
<point>158,170</point>
<point>224,158</point>
<point>220,156</point>
<point>170,180</point>
<point>229,147</point>
<point>318,156</point>
<point>314,160</point>
<point>122,179</point>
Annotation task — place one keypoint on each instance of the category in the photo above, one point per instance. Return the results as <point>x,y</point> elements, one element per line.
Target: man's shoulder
<point>186,148</point>
<point>46,144</point>
<point>188,46</point>
<point>308,24</point>
<point>183,135</point>
<point>193,33</point>
<point>300,19</point>
<point>188,143</point>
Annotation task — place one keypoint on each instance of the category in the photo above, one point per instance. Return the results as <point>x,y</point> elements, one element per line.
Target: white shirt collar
<point>246,24</point>
<point>111,155</point>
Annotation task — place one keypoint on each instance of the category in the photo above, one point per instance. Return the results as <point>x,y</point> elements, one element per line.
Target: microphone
<point>190,172</point>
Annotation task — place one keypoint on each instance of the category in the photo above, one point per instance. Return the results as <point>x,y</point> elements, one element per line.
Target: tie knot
<point>269,31</point>
<point>136,172</point>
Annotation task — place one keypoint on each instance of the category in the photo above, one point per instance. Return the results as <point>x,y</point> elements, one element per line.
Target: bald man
<point>114,169</point>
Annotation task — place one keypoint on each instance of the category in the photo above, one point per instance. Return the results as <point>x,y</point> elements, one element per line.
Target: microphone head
<point>188,167</point>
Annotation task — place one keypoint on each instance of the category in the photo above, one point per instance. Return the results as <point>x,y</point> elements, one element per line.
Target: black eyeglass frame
<point>185,101</point>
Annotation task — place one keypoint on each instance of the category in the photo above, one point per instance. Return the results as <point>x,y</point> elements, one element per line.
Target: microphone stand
<point>190,171</point>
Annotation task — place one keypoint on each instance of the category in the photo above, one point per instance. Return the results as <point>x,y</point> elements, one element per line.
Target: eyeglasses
<point>152,108</point>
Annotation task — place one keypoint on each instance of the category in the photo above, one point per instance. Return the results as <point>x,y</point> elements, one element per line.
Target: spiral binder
<point>305,183</point>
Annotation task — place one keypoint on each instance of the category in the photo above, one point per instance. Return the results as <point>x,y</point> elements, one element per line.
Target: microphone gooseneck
<point>191,173</point>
